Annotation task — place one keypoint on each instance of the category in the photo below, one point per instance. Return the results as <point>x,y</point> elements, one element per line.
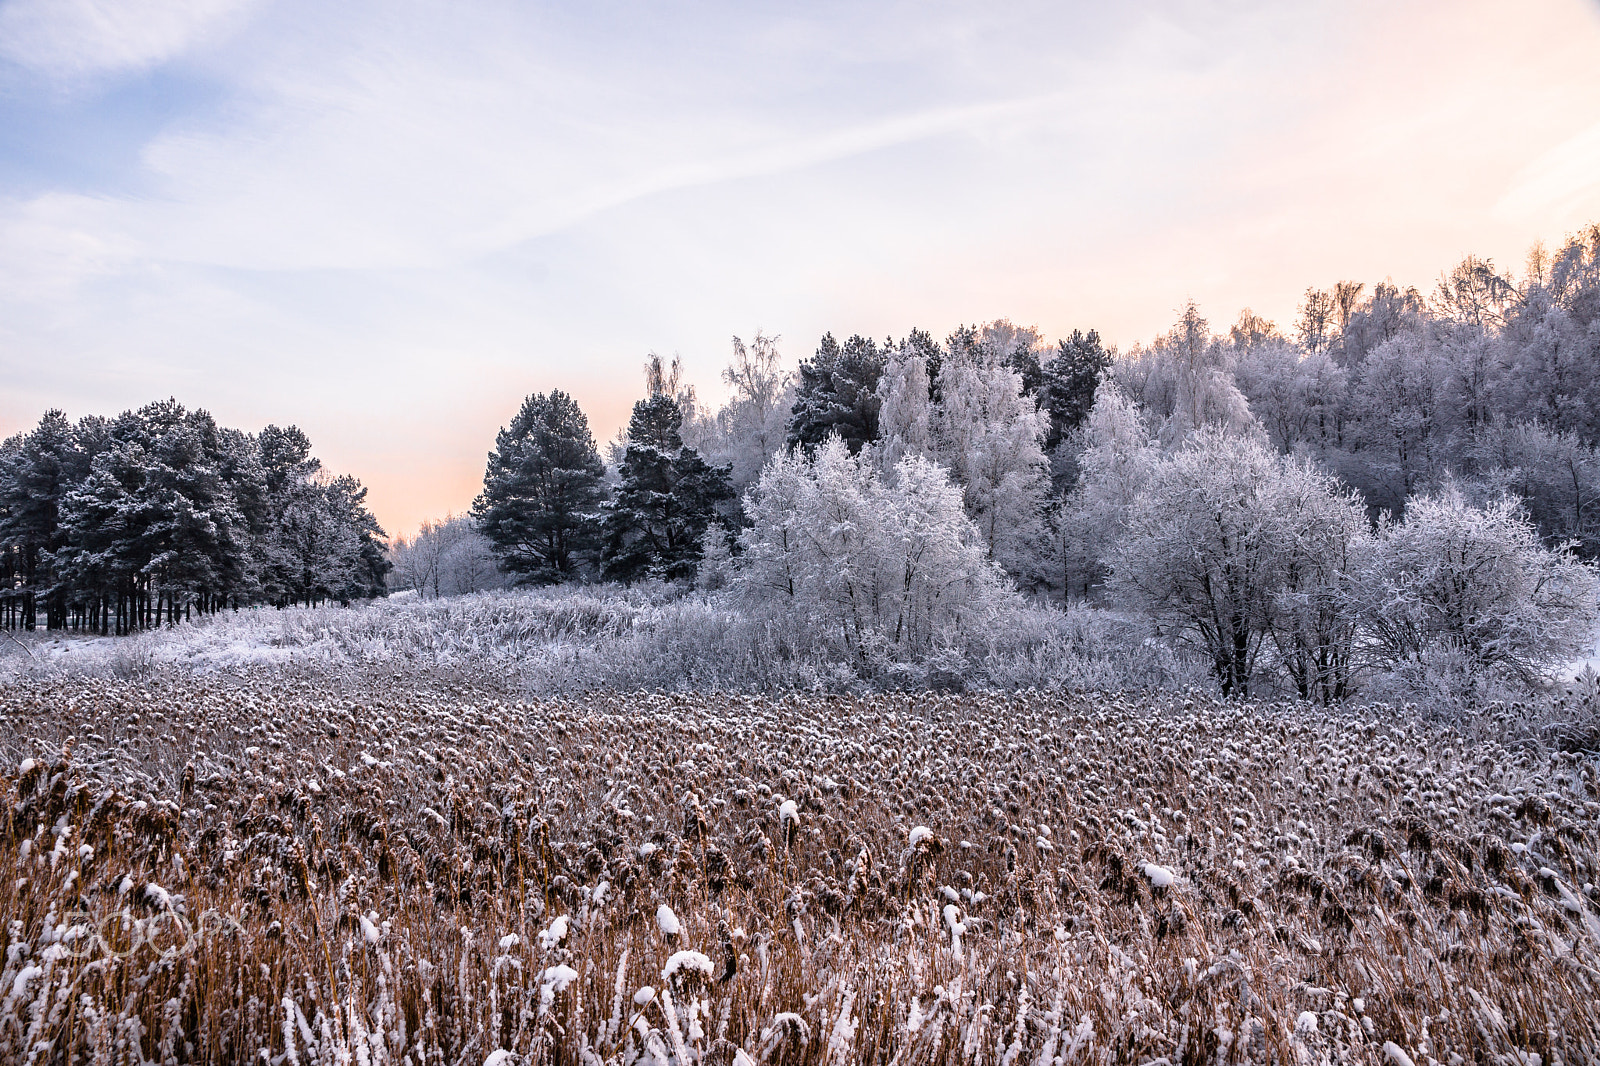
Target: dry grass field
<point>272,869</point>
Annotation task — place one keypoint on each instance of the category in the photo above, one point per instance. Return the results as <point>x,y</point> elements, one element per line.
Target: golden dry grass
<point>271,869</point>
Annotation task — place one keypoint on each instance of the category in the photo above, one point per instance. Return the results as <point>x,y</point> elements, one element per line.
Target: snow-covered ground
<point>549,641</point>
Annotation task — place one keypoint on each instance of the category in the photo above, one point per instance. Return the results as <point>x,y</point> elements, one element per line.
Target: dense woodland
<point>1394,482</point>
<point>111,525</point>
<point>1393,479</point>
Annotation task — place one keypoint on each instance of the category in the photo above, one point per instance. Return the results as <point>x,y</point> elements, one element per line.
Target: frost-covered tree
<point>837,394</point>
<point>543,491</point>
<point>905,395</point>
<point>1230,548</point>
<point>117,524</point>
<point>884,568</point>
<point>331,543</point>
<point>1022,348</point>
<point>667,496</point>
<point>1069,380</point>
<point>1118,458</point>
<point>1475,581</point>
<point>1556,476</point>
<point>1400,436</point>
<point>1317,531</point>
<point>752,425</point>
<point>36,469</point>
<point>447,557</point>
<point>1297,397</point>
<point>988,434</point>
<point>1184,383</point>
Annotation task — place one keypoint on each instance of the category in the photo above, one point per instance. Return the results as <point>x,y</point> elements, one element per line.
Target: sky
<point>388,222</point>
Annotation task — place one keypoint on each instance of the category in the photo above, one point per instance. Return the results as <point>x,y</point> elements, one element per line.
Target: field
<point>392,865</point>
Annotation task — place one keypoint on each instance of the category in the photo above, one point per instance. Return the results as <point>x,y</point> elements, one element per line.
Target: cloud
<point>1560,179</point>
<point>75,38</point>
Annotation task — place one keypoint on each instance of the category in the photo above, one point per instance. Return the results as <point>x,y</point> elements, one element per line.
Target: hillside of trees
<point>111,525</point>
<point>1394,480</point>
<point>1395,484</point>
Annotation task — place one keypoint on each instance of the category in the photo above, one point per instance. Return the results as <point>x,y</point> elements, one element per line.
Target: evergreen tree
<point>667,498</point>
<point>35,471</point>
<point>543,490</point>
<point>118,524</point>
<point>838,394</point>
<point>1068,382</point>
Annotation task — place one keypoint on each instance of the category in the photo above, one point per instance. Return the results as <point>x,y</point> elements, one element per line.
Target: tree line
<point>112,525</point>
<point>1292,460</point>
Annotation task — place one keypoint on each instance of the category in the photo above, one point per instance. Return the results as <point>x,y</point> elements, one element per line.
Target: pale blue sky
<point>388,222</point>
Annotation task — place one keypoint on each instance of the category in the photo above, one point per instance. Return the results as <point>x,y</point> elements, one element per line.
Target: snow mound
<point>1160,876</point>
<point>686,960</point>
<point>554,935</point>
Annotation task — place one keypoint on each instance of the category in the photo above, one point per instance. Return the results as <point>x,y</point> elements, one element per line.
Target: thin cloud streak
<point>71,39</point>
<point>785,157</point>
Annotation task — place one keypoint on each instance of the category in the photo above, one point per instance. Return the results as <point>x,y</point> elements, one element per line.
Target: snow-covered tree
<point>988,434</point>
<point>1476,581</point>
<point>1401,432</point>
<point>905,413</point>
<point>837,394</point>
<point>1184,383</point>
<point>751,426</point>
<point>667,496</point>
<point>447,557</point>
<point>1231,548</point>
<point>1118,457</point>
<point>543,491</point>
<point>1069,380</point>
<point>883,567</point>
<point>1317,531</point>
<point>1556,476</point>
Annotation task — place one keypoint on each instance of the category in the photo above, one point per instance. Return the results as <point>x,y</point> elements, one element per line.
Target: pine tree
<point>838,394</point>
<point>668,496</point>
<point>543,491</point>
<point>1068,383</point>
<point>35,471</point>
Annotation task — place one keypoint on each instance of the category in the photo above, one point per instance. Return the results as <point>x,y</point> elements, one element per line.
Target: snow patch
<point>686,960</point>
<point>1160,876</point>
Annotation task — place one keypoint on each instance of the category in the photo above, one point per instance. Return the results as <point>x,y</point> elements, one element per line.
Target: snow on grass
<point>1315,847</point>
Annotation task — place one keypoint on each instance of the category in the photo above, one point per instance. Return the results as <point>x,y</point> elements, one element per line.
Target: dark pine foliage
<point>838,394</point>
<point>668,496</point>
<point>119,524</point>
<point>543,492</point>
<point>1068,381</point>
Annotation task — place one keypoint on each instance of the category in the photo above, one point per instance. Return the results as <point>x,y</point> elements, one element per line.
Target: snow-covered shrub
<point>583,639</point>
<point>1455,588</point>
<point>886,570</point>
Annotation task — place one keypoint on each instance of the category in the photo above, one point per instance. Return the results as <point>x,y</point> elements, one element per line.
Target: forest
<point>112,525</point>
<point>974,700</point>
<point>1395,491</point>
<point>1395,483</point>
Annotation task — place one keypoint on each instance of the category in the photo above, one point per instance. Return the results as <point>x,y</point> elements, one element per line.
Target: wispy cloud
<point>76,38</point>
<point>783,157</point>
